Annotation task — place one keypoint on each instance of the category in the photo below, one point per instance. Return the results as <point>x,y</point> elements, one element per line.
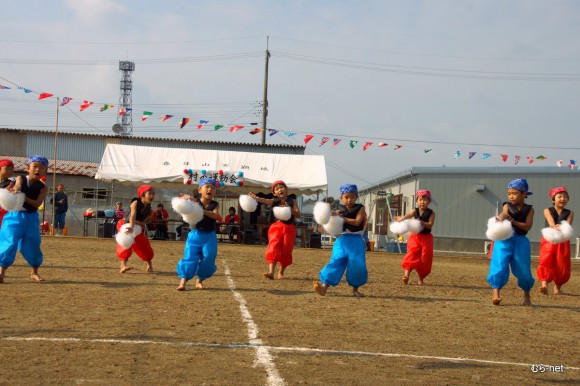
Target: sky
<point>434,80</point>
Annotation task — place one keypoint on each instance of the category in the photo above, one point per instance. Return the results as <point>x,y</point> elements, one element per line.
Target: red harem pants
<point>281,239</point>
<point>419,255</point>
<point>554,262</point>
<point>141,246</point>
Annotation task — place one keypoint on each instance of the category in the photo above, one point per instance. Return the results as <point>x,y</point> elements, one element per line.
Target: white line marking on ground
<point>306,350</point>
<point>263,356</point>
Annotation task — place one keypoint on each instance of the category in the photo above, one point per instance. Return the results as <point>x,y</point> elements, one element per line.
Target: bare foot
<point>125,269</point>
<point>543,290</point>
<point>280,276</point>
<point>36,277</point>
<point>149,268</point>
<point>199,285</point>
<point>497,301</point>
<point>269,275</point>
<point>420,282</point>
<point>527,300</point>
<point>405,279</point>
<point>357,294</point>
<point>557,291</point>
<point>320,288</point>
<point>181,286</point>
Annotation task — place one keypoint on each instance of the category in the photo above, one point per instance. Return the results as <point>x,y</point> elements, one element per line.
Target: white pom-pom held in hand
<point>499,230</point>
<point>282,212</point>
<point>552,235</point>
<point>415,226</point>
<point>248,203</point>
<point>194,217</point>
<point>125,239</point>
<point>7,199</point>
<point>321,212</point>
<point>334,226</point>
<point>182,205</point>
<point>399,227</point>
<point>567,231</point>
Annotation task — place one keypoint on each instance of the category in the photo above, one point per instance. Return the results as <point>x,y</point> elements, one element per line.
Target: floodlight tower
<point>125,116</point>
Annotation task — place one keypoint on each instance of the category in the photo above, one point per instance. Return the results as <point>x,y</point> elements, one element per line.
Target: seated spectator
<point>232,218</point>
<point>159,223</point>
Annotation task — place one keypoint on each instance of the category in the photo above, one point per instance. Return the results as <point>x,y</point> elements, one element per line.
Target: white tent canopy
<point>159,166</point>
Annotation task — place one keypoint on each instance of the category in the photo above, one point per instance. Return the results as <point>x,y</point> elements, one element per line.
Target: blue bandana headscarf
<point>520,184</point>
<point>205,181</point>
<point>38,158</point>
<point>348,188</point>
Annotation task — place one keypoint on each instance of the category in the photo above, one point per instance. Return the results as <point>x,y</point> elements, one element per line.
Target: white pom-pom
<point>194,217</point>
<point>567,231</point>
<point>125,239</point>
<point>321,212</point>
<point>282,212</point>
<point>415,226</point>
<point>552,235</point>
<point>499,230</point>
<point>182,205</point>
<point>399,227</point>
<point>248,203</point>
<point>7,199</point>
<point>334,226</point>
<point>20,199</point>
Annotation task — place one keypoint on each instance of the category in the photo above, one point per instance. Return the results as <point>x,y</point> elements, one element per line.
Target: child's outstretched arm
<point>133,217</point>
<point>429,224</point>
<point>570,218</point>
<point>504,214</point>
<point>549,219</point>
<point>265,201</point>
<point>409,215</point>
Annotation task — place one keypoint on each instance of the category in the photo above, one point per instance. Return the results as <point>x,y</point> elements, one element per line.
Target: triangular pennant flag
<point>427,150</point>
<point>530,160</point>
<point>471,154</point>
<point>146,114</point>
<point>235,128</point>
<point>44,95</point>
<point>336,141</point>
<point>504,157</point>
<point>217,127</point>
<point>272,132</point>
<point>323,141</point>
<point>165,117</point>
<point>4,87</point>
<point>26,91</point>
<point>307,138</point>
<point>397,147</point>
<point>122,111</point>
<point>541,158</point>
<point>255,131</point>
<point>65,101</point>
<point>382,144</point>
<point>289,134</point>
<point>201,123</point>
<point>485,155</point>
<point>517,159</point>
<point>560,163</point>
<point>86,105</point>
<point>353,144</point>
<point>106,107</point>
<point>367,145</point>
<point>456,154</point>
<point>183,122</point>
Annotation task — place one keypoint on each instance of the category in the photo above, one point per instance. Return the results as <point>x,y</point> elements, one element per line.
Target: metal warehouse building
<point>463,199</point>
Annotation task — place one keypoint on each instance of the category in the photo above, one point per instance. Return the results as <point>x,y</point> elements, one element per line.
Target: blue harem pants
<point>199,255</point>
<point>348,253</point>
<point>20,231</point>
<point>512,253</point>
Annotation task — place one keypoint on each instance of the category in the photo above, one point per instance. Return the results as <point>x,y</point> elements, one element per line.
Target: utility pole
<point>265,100</point>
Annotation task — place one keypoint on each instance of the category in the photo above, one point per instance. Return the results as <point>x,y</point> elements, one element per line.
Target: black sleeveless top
<point>207,223</point>
<point>519,216</point>
<point>351,213</point>
<point>31,191</point>
<point>143,211</point>
<point>425,217</point>
<point>278,202</point>
<point>558,218</point>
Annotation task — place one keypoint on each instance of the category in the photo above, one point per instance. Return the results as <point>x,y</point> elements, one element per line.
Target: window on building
<point>94,193</point>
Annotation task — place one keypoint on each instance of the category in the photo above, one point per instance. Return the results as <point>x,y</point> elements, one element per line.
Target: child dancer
<point>6,173</point>
<point>201,245</point>
<point>348,252</point>
<point>554,262</point>
<point>282,232</point>
<point>419,255</point>
<point>20,229</point>
<point>140,209</point>
<point>513,252</point>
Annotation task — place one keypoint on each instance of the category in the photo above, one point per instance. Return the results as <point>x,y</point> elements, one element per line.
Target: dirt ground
<point>89,324</point>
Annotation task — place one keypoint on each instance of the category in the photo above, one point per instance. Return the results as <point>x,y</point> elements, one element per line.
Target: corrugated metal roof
<point>71,168</point>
